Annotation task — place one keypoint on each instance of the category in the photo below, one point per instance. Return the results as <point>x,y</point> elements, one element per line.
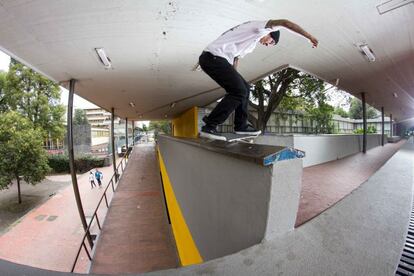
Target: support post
<point>382,127</point>
<point>72,161</point>
<point>364,123</point>
<point>126,135</point>
<point>114,151</point>
<point>133,133</point>
<point>391,127</point>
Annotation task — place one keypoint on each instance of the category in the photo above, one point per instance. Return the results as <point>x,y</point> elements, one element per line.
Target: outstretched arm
<point>293,27</point>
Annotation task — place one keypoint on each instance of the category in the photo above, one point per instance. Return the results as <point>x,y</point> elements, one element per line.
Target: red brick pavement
<point>325,184</point>
<point>49,236</point>
<point>136,236</point>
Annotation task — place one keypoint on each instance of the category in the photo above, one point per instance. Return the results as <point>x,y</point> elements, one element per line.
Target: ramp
<point>136,236</point>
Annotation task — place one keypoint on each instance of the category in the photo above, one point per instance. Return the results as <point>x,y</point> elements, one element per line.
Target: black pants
<point>237,91</point>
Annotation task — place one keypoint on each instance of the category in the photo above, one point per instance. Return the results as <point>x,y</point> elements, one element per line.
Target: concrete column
<point>391,127</point>
<point>364,123</point>
<point>72,160</point>
<point>382,126</point>
<point>114,151</point>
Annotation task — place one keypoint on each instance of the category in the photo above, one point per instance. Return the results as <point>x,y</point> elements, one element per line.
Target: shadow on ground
<point>11,212</point>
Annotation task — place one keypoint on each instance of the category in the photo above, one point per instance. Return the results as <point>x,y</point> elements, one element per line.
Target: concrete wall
<point>226,201</point>
<point>402,127</point>
<point>322,148</point>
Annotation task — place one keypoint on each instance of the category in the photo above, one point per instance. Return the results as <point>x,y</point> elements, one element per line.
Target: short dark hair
<point>275,35</point>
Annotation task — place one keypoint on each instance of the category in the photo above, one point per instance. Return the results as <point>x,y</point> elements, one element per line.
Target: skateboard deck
<point>233,137</point>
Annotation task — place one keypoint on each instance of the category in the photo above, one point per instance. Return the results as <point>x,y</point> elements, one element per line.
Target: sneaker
<point>211,133</point>
<point>249,130</point>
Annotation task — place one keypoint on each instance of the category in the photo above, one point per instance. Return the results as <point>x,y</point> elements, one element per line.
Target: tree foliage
<point>80,117</point>
<point>21,151</point>
<point>289,90</point>
<point>355,110</point>
<point>160,127</point>
<point>370,130</point>
<point>36,98</point>
<point>341,112</point>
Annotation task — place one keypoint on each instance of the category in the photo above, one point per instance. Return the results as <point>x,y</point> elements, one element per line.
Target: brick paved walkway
<point>49,236</point>
<point>325,184</point>
<point>136,236</point>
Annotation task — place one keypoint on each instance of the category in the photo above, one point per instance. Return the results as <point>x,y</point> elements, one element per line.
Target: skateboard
<point>233,137</point>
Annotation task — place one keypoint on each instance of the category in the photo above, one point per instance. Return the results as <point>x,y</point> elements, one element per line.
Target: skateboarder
<point>220,59</point>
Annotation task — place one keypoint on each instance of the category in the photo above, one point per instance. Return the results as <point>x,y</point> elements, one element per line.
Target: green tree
<point>80,117</point>
<point>144,129</point>
<point>36,98</point>
<point>21,152</point>
<point>160,127</point>
<point>341,112</point>
<point>355,110</point>
<point>287,90</point>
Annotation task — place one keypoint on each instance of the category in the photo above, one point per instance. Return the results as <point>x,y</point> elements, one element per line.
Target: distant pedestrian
<point>92,180</point>
<point>99,177</point>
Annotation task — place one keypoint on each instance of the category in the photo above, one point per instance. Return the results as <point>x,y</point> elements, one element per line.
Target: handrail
<point>95,213</point>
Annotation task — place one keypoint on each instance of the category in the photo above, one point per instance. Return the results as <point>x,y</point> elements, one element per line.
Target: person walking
<point>99,177</point>
<point>92,180</point>
<point>220,59</point>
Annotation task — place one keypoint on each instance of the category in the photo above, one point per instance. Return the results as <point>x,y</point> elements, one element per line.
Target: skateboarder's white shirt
<point>239,40</point>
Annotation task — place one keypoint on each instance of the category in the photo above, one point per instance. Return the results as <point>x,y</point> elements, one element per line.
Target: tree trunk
<point>18,189</point>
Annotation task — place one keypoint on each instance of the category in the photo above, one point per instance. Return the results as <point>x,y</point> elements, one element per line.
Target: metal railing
<point>114,180</point>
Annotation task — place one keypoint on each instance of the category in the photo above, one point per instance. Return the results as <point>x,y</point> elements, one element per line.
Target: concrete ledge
<point>394,139</point>
<point>260,154</point>
<point>229,201</point>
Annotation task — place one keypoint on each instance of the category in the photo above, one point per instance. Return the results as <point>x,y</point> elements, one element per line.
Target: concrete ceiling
<point>154,44</point>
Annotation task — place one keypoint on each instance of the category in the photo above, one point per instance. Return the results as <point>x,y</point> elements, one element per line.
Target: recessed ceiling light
<point>132,104</point>
<point>103,58</point>
<point>366,52</point>
<point>391,5</point>
<point>395,95</point>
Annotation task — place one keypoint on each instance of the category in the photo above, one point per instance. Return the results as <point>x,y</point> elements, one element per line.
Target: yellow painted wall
<point>186,125</point>
<point>187,249</point>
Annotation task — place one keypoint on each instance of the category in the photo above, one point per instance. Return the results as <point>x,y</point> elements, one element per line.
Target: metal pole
<point>391,126</point>
<point>72,161</point>
<point>382,127</point>
<point>364,122</point>
<point>126,135</point>
<point>114,151</point>
<point>133,133</point>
